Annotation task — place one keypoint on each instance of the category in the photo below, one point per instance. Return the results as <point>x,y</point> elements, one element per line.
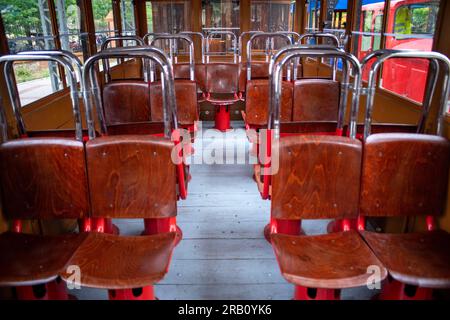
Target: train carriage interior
<point>224,150</point>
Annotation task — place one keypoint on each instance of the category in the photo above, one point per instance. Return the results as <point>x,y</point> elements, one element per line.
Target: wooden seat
<point>403,175</point>
<point>186,97</point>
<point>316,100</point>
<point>318,177</point>
<point>131,177</point>
<point>40,178</point>
<point>336,260</point>
<point>113,262</point>
<point>222,78</point>
<point>126,101</point>
<point>420,259</point>
<point>43,178</point>
<point>257,102</point>
<point>28,259</point>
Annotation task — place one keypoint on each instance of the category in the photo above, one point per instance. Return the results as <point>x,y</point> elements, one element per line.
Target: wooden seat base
<point>419,259</point>
<point>333,261</point>
<point>27,259</point>
<point>123,262</point>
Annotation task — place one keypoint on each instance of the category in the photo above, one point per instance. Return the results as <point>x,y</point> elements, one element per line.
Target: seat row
<point>342,178</point>
<point>92,179</point>
<point>219,83</point>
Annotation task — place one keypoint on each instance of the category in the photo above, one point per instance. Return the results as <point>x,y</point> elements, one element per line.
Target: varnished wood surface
<point>336,260</point>
<point>308,127</point>
<point>126,101</point>
<point>316,100</point>
<point>32,259</point>
<point>131,177</point>
<point>421,259</point>
<point>257,102</point>
<point>43,178</point>
<point>318,178</point>
<point>123,262</point>
<point>134,128</point>
<point>222,77</point>
<point>404,174</point>
<point>186,98</point>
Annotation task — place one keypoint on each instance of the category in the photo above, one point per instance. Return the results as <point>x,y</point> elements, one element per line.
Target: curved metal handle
<point>139,42</point>
<point>240,41</point>
<point>269,37</point>
<point>284,56</point>
<point>202,38</point>
<point>149,53</point>
<point>222,32</point>
<point>153,34</point>
<point>330,36</point>
<point>191,49</point>
<point>323,35</point>
<point>3,123</point>
<point>435,58</point>
<point>58,57</point>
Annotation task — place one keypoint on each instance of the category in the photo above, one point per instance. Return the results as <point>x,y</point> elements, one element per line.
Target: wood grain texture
<point>186,98</point>
<point>318,178</point>
<point>404,174</point>
<point>58,133</point>
<point>131,177</point>
<point>297,127</point>
<point>316,100</point>
<point>126,101</point>
<point>181,71</point>
<point>384,128</point>
<point>121,262</point>
<point>136,128</point>
<point>43,178</point>
<point>33,259</point>
<point>200,76</point>
<point>222,77</point>
<point>421,259</point>
<point>335,260</point>
<point>257,102</point>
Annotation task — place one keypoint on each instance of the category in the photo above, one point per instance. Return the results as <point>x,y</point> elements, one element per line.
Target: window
<point>27,26</point>
<point>336,17</point>
<point>312,15</point>
<point>367,29</point>
<point>127,16</point>
<point>272,16</point>
<point>103,20</point>
<point>168,16</point>
<point>221,15</point>
<point>70,26</point>
<point>411,25</point>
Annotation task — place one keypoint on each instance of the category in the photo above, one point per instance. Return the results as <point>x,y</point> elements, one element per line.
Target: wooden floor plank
<point>224,272</point>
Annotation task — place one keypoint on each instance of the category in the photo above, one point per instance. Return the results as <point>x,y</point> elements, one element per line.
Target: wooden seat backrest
<point>257,102</point>
<point>186,97</point>
<point>316,100</point>
<point>222,77</point>
<point>126,101</point>
<point>43,178</point>
<point>404,175</point>
<point>131,176</point>
<point>318,178</point>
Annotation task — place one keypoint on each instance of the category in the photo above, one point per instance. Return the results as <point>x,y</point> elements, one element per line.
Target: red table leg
<point>222,122</point>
